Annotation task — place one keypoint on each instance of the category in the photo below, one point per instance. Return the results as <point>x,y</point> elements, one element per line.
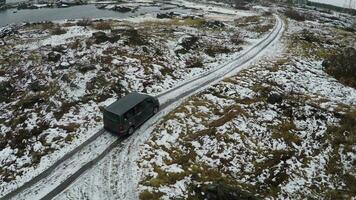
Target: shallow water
<point>14,16</point>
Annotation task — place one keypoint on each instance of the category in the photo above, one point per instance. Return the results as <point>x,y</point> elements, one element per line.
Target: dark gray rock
<point>214,24</point>
<point>169,15</point>
<point>86,68</point>
<point>114,38</point>
<point>100,37</point>
<point>122,9</point>
<point>54,57</point>
<point>274,98</point>
<point>223,191</point>
<point>59,48</point>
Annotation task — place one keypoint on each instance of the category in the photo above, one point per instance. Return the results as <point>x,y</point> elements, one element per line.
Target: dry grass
<point>102,25</point>
<point>57,30</point>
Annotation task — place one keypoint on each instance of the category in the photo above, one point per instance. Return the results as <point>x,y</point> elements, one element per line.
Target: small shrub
<point>342,66</point>
<point>189,42</point>
<point>213,50</point>
<point>146,195</point>
<point>166,71</point>
<point>71,127</point>
<point>196,22</point>
<point>57,30</point>
<point>102,25</point>
<point>293,14</point>
<point>262,28</point>
<point>237,38</point>
<point>345,134</point>
<point>66,106</point>
<point>84,22</point>
<point>69,138</point>
<point>134,37</point>
<point>222,190</point>
<point>47,25</point>
<point>194,62</point>
<point>76,44</point>
<point>6,90</point>
<point>29,101</point>
<point>247,20</point>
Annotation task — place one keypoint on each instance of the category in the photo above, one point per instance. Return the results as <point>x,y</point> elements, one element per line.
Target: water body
<point>14,16</point>
<point>340,3</point>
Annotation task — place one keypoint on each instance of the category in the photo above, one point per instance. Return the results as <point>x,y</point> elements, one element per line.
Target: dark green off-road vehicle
<point>126,114</point>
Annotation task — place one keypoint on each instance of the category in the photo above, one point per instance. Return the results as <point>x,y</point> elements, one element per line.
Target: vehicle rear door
<point>111,121</point>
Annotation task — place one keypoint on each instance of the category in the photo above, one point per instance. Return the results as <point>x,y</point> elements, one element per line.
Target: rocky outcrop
<point>122,9</point>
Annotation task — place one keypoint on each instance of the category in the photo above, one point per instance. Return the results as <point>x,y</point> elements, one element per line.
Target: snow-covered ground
<point>265,131</point>
<point>275,130</point>
<point>64,74</point>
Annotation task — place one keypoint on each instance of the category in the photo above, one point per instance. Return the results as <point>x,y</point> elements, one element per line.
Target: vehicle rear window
<point>111,116</point>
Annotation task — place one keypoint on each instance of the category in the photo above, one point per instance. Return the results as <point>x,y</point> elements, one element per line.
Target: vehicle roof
<point>127,102</point>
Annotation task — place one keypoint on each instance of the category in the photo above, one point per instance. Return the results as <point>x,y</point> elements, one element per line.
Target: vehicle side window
<point>129,114</point>
<point>149,102</point>
<point>139,108</point>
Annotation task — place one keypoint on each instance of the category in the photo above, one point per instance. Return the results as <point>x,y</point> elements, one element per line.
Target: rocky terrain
<point>282,129</point>
<point>55,76</point>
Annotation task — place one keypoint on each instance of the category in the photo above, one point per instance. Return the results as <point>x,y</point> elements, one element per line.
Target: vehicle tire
<point>155,110</point>
<point>130,131</point>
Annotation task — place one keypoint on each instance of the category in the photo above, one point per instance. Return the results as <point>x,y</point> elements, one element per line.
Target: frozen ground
<point>284,140</point>
<point>64,74</point>
<point>119,170</point>
<point>280,129</point>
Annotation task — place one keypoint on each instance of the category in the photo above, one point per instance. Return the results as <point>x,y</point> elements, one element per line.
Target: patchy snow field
<point>282,129</point>
<point>55,76</point>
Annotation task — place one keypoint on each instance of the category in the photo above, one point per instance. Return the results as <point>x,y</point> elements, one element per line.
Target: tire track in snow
<point>66,170</point>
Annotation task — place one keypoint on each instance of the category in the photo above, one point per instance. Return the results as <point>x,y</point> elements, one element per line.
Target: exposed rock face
<point>342,66</point>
